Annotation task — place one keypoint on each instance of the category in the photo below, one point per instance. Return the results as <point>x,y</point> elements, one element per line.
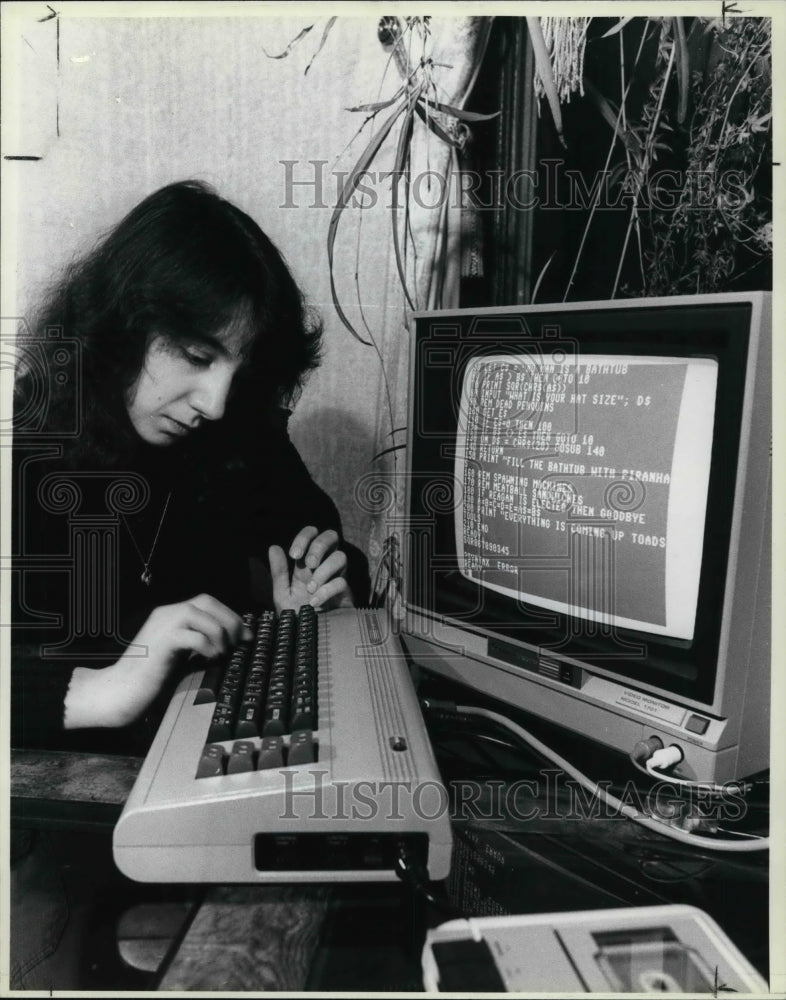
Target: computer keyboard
<point>267,689</point>
<point>301,756</point>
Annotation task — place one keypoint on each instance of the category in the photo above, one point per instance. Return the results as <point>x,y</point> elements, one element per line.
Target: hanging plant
<point>416,98</point>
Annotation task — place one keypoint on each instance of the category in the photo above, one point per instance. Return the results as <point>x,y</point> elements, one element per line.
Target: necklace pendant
<point>147,576</point>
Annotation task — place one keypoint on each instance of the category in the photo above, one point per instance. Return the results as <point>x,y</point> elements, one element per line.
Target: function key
<point>241,758</point>
<point>271,753</point>
<point>211,763</point>
<point>302,748</point>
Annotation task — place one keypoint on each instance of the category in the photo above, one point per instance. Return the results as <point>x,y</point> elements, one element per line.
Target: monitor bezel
<point>665,327</point>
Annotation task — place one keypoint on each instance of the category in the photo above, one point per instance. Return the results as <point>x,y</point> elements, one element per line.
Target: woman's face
<point>184,383</point>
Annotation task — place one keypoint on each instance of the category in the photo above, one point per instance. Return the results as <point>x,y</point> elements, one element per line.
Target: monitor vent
<point>550,668</point>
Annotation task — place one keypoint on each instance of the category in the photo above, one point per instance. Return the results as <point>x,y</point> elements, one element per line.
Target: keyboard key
<point>302,749</point>
<point>248,719</point>
<point>253,691</point>
<point>304,714</point>
<point>221,728</point>
<point>241,758</point>
<point>210,684</point>
<point>278,685</point>
<point>227,698</point>
<point>249,620</point>
<point>271,753</point>
<point>275,719</point>
<point>211,763</point>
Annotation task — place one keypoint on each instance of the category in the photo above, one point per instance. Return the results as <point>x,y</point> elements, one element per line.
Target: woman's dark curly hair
<point>184,263</point>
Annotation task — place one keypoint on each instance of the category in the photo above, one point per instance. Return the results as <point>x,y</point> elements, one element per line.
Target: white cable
<point>652,770</point>
<point>666,757</point>
<point>760,844</point>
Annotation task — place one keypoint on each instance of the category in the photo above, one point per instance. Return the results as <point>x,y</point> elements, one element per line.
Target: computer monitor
<point>587,531</point>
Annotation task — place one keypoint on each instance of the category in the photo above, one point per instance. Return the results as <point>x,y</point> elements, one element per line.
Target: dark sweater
<point>81,536</point>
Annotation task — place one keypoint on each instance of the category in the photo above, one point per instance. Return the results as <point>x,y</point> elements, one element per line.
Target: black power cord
<point>412,874</point>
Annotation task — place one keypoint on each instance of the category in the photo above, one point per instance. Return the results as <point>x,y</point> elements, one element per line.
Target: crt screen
<point>582,484</point>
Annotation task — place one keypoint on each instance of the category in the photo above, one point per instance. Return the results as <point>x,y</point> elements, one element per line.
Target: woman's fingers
<point>218,632</point>
<point>279,574</point>
<point>195,641</point>
<point>203,615</point>
<point>318,575</point>
<point>302,541</point>
<point>231,623</point>
<point>334,565</point>
<point>319,548</point>
<point>337,587</point>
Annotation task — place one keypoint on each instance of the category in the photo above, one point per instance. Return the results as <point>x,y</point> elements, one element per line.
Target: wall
<point>142,101</point>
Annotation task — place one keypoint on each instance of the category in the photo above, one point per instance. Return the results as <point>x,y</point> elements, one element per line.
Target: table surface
<point>241,937</point>
<point>60,776</point>
<point>289,937</point>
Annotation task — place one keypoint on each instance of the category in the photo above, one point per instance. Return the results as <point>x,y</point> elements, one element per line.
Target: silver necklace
<point>147,576</point>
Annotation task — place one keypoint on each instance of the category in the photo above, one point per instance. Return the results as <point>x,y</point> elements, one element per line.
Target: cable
<point>742,786</point>
<point>637,765</point>
<point>411,874</point>
<point>509,745</point>
<point>676,879</point>
<point>626,810</point>
<point>652,754</point>
<point>700,786</point>
<point>751,865</point>
<point>653,764</point>
<point>512,745</point>
<point>738,833</point>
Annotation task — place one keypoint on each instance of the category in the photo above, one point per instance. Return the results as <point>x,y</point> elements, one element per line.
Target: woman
<point>156,496</point>
<point>143,537</point>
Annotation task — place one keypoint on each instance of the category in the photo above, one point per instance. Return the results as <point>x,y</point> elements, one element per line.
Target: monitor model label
<point>613,694</point>
<point>651,706</point>
<point>584,484</point>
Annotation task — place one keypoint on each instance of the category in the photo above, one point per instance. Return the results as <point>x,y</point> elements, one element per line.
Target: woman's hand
<point>317,577</point>
<point>117,695</point>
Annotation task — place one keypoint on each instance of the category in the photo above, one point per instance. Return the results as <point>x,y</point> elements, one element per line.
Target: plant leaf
<point>543,64</point>
<point>541,277</point>
<point>325,33</point>
<point>379,105</point>
<point>430,122</point>
<point>465,116</point>
<point>617,27</point>
<point>610,115</point>
<point>681,47</point>
<point>387,451</point>
<point>282,55</point>
<point>399,167</point>
<point>350,185</point>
